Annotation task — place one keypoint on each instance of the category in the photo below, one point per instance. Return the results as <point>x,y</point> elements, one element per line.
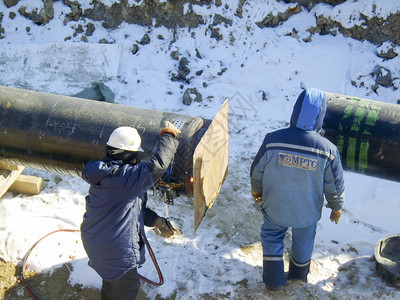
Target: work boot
<point>298,271</point>
<point>273,274</point>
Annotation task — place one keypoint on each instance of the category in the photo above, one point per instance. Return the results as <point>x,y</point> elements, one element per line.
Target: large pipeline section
<point>61,134</point>
<point>367,134</point>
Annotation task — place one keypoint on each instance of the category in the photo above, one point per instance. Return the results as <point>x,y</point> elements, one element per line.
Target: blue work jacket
<point>112,230</point>
<point>296,168</point>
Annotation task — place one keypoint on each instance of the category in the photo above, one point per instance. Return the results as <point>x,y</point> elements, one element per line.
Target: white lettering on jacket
<point>297,161</point>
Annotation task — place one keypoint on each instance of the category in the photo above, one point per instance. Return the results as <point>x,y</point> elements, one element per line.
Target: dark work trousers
<point>125,288</point>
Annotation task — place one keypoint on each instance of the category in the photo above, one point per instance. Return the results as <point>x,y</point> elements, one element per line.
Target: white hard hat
<point>125,138</point>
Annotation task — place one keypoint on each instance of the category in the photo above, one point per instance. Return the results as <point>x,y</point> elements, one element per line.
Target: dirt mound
<point>45,285</point>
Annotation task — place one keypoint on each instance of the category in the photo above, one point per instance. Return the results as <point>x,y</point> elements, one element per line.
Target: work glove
<point>335,215</point>
<point>170,128</point>
<point>164,226</point>
<point>257,197</point>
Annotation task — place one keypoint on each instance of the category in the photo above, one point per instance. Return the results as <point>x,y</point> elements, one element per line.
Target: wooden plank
<point>7,178</point>
<point>6,166</point>
<point>27,184</point>
<point>210,164</point>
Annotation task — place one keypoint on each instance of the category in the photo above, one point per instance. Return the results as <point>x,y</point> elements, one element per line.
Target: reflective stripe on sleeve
<point>301,148</point>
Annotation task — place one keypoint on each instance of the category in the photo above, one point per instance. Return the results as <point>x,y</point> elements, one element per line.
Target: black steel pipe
<point>60,133</point>
<point>367,134</point>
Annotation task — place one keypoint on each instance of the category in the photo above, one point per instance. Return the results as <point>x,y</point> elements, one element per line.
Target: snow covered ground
<point>224,258</point>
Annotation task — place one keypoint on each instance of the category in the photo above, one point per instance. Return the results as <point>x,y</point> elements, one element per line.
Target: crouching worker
<point>113,224</point>
<point>292,171</point>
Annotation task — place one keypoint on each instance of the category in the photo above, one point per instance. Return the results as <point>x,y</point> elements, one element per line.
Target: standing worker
<point>292,171</point>
<point>113,225</point>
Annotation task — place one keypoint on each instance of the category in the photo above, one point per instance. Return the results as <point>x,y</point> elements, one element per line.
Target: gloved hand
<point>335,215</point>
<point>170,128</point>
<point>257,197</point>
<point>164,226</point>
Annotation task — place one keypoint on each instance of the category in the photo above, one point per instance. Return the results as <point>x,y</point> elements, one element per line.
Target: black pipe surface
<point>367,134</point>
<point>61,134</point>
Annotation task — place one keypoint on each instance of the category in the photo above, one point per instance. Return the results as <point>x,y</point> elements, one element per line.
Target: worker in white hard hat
<point>113,225</point>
